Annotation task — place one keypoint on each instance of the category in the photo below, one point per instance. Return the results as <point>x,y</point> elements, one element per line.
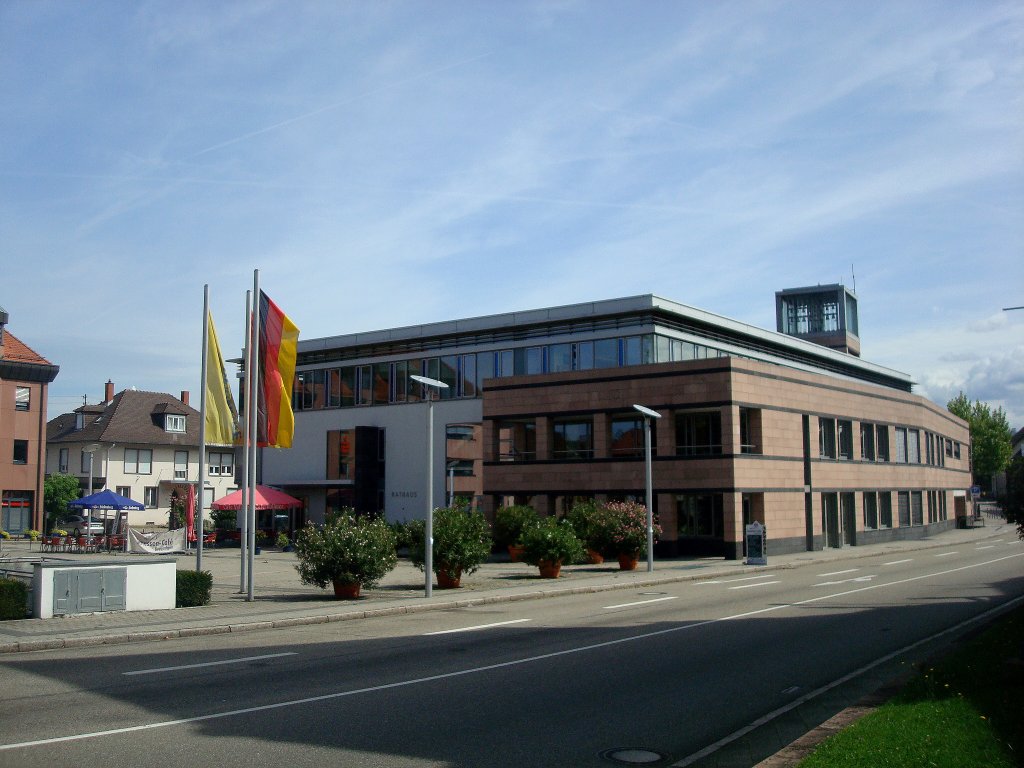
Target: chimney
<point>184,396</point>
<point>108,391</point>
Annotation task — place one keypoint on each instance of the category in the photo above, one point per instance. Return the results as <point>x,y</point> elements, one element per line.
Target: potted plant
<point>260,538</point>
<point>283,542</point>
<point>509,523</point>
<point>589,520</point>
<point>550,543</point>
<point>349,551</point>
<point>462,542</point>
<point>627,531</point>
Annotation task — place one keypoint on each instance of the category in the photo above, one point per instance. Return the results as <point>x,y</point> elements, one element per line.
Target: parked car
<point>79,525</point>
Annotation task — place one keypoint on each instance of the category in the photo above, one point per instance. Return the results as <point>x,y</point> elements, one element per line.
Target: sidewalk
<point>282,601</point>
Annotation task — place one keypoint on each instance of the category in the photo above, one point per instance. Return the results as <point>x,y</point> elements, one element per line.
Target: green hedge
<point>193,588</point>
<point>13,599</point>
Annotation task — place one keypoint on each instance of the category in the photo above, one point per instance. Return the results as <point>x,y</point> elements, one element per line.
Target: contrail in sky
<point>329,107</point>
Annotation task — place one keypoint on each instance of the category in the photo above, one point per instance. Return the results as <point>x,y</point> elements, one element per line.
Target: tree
<point>990,437</point>
<point>58,490</point>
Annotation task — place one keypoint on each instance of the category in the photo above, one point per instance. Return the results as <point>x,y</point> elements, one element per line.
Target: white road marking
<point>945,554</point>
<point>759,584</point>
<point>642,602</point>
<point>569,652</point>
<point>242,660</point>
<point>898,562</point>
<point>731,581</point>
<point>844,581</point>
<point>839,573</point>
<point>990,546</point>
<point>474,629</point>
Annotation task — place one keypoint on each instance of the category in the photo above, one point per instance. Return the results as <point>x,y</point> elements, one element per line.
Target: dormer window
<point>173,423</point>
<point>79,421</point>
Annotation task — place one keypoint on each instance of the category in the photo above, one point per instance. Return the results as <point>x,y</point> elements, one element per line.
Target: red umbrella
<point>266,498</point>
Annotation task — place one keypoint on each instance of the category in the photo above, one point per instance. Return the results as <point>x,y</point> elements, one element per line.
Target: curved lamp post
<point>428,543</point>
<point>648,414</point>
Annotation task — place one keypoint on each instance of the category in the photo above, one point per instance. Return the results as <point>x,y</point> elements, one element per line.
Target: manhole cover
<point>633,756</point>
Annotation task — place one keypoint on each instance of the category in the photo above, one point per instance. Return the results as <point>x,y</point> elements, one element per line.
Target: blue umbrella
<point>105,499</point>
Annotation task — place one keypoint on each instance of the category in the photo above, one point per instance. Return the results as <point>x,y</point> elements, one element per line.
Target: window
<point>870,510</point>
<point>21,398</point>
<point>844,435</point>
<point>341,454</point>
<point>913,447</point>
<point>867,442</point>
<point>174,423</point>
<point>220,464</point>
<point>628,436</point>
<point>138,461</point>
<point>151,496</point>
<point>826,438</point>
<point>606,353</point>
<point>949,449</point>
<point>181,465</point>
<point>956,450</point>
<point>573,439</point>
<point>901,445</point>
<point>62,461</point>
<point>86,461</point>
<point>535,360</point>
<point>517,441</point>
<point>903,503</point>
<point>699,434</point>
<point>21,451</point>
<point>560,358</point>
<point>750,430</point>
<point>916,509</point>
<point>882,442</point>
<point>885,510</point>
<point>124,490</point>
<point>700,515</point>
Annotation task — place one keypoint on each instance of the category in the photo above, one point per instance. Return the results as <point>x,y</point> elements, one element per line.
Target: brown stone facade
<point>820,460</point>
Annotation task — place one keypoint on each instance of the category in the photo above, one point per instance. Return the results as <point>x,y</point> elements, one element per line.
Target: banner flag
<point>278,346</point>
<point>221,414</point>
<point>156,543</point>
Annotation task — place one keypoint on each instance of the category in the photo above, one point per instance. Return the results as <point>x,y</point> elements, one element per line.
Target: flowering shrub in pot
<point>347,550</point>
<point>509,523</point>
<point>550,543</point>
<point>462,541</point>
<point>626,530</point>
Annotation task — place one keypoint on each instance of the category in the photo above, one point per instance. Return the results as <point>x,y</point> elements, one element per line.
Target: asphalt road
<point>683,670</point>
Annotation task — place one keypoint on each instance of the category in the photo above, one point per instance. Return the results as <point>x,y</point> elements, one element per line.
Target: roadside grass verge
<point>966,709</point>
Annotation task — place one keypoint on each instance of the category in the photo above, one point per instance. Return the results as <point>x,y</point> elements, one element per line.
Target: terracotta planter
<point>444,581</point>
<point>595,556</point>
<point>346,591</point>
<point>515,552</point>
<point>628,561</point>
<point>549,569</point>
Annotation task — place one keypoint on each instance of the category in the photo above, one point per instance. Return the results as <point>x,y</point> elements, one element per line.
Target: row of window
<point>385,383</point>
<point>698,433</point>
<point>835,441</point>
<point>910,508</point>
<point>139,461</point>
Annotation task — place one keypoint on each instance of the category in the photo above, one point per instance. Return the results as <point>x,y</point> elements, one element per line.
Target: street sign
<point>975,492</point>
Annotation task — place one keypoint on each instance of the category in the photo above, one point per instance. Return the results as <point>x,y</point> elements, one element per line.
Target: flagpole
<point>202,431</point>
<point>254,356</point>
<point>243,543</point>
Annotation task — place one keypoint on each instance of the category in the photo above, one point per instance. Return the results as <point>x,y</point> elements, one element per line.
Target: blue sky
<point>396,163</point>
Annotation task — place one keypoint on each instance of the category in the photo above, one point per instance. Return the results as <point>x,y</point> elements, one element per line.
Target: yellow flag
<point>221,415</point>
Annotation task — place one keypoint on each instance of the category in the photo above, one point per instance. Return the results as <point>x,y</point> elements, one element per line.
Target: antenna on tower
<point>854,276</point>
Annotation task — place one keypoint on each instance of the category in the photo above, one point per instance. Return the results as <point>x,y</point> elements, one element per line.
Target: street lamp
<point>91,449</point>
<point>648,414</point>
<point>428,543</point>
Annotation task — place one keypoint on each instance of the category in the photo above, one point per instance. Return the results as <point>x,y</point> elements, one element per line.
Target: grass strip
<point>963,710</point>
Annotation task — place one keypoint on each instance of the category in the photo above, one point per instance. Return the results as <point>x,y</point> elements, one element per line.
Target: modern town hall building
<point>789,427</point>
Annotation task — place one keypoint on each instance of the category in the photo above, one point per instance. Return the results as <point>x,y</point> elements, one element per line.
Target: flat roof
<point>760,342</point>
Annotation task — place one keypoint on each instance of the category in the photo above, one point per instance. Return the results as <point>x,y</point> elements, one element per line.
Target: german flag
<point>278,345</point>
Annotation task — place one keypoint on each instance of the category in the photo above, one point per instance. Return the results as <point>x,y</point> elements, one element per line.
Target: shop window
<point>700,515</point>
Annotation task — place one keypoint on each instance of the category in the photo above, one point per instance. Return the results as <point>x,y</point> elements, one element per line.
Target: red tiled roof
<point>12,348</point>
